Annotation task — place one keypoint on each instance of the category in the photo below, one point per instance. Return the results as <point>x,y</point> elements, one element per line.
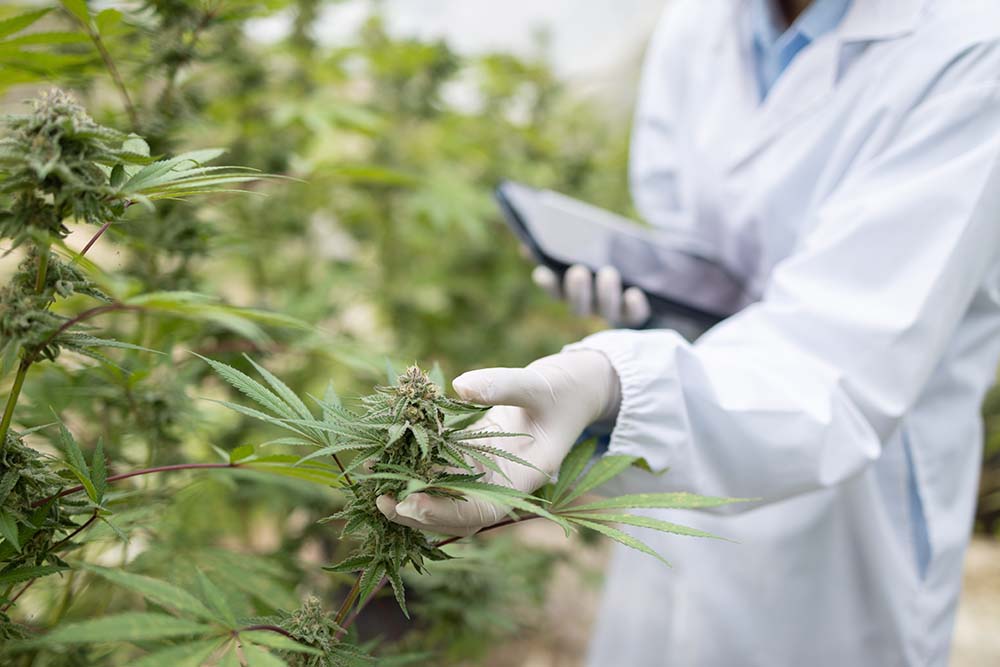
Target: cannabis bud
<point>312,625</point>
<point>27,326</point>
<point>58,163</point>
<point>406,438</point>
<point>28,489</point>
<point>412,438</point>
<point>414,399</point>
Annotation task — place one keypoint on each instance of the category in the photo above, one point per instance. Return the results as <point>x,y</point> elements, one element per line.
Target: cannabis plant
<point>57,164</point>
<point>406,437</point>
<point>409,437</point>
<point>123,540</point>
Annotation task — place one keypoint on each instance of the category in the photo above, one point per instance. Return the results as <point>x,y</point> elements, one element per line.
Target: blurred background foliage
<point>988,510</point>
<point>386,242</point>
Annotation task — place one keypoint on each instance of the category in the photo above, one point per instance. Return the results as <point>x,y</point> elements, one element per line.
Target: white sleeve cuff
<point>651,423</point>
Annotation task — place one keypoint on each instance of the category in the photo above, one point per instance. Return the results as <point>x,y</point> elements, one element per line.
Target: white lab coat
<point>861,204</point>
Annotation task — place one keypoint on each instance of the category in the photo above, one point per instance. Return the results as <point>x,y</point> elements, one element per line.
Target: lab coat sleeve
<point>654,171</point>
<point>799,391</point>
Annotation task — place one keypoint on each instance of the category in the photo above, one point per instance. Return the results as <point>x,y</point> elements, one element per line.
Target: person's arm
<point>800,391</point>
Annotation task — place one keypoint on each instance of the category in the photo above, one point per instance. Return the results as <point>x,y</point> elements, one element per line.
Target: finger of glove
<point>578,286</point>
<point>520,387</point>
<point>608,286</point>
<point>635,309</point>
<point>448,516</point>
<point>547,279</point>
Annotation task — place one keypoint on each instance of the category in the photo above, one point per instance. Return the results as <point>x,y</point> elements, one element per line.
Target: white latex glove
<point>602,294</point>
<point>551,401</point>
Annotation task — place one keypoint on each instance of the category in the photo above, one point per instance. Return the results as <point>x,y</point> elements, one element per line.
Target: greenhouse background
<point>372,240</point>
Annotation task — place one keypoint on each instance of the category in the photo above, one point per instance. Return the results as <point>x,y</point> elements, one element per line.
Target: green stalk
<point>116,77</point>
<point>352,595</point>
<point>43,268</point>
<point>15,392</point>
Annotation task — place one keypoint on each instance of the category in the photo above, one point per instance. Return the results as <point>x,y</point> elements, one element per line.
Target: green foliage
<point>426,172</point>
<point>412,438</point>
<point>206,626</point>
<point>988,508</point>
<point>56,163</point>
<point>27,325</point>
<point>313,626</point>
<point>31,517</point>
<point>467,603</point>
<point>575,479</point>
<point>382,240</point>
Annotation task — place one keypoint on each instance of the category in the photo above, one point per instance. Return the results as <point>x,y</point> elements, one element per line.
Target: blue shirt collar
<point>775,46</point>
<point>821,17</point>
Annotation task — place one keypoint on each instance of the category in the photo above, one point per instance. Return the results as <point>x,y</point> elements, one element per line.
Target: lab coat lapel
<point>813,75</point>
<point>809,80</point>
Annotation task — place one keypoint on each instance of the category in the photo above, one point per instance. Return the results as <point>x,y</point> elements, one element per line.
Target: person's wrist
<point>595,380</point>
<point>611,396</point>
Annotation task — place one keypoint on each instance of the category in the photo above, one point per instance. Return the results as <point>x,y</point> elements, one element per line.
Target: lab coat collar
<point>873,20</point>
<point>769,26</point>
<point>866,20</point>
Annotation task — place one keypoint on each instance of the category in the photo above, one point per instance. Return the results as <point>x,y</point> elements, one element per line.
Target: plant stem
<point>15,392</point>
<point>109,63</point>
<point>86,315</point>
<point>82,527</point>
<point>501,524</point>
<point>352,595</point>
<point>136,473</point>
<point>347,478</point>
<point>93,239</point>
<point>11,599</point>
<point>353,617</point>
<point>43,268</point>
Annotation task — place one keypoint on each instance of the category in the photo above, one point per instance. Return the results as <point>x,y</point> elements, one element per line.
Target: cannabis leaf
<point>183,176</point>
<point>576,479</point>
<point>92,476</point>
<point>201,621</point>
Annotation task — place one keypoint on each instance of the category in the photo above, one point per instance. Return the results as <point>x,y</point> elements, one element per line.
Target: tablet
<point>676,273</point>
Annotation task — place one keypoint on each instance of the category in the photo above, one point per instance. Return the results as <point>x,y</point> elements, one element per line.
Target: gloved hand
<point>603,294</point>
<point>551,401</point>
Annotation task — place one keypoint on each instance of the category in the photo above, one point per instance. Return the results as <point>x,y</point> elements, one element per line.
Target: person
<point>842,159</point>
